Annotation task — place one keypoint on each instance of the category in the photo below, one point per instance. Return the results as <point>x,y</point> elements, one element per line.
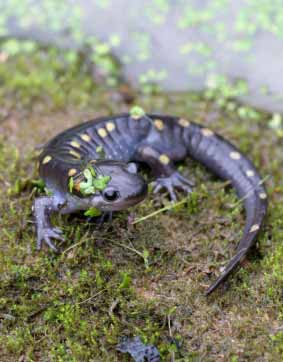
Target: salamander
<point>111,147</point>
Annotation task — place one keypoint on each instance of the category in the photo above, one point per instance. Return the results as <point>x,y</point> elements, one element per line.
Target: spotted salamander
<point>114,145</point>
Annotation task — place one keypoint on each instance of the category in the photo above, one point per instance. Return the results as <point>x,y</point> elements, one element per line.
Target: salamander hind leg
<point>163,168</point>
<point>170,183</point>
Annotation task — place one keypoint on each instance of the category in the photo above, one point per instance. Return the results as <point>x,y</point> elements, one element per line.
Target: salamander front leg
<point>43,208</point>
<point>163,168</point>
<point>105,216</point>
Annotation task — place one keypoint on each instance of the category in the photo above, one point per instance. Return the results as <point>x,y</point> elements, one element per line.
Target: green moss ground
<point>148,279</point>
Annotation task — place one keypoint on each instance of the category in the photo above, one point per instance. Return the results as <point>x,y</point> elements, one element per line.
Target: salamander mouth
<point>134,199</point>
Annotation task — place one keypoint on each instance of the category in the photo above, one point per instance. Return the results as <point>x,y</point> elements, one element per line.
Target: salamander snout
<point>124,189</point>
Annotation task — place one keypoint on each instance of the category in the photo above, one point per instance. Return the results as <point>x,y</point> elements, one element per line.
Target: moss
<point>146,279</point>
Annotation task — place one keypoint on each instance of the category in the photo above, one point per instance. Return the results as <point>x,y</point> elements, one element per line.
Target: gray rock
<point>179,45</point>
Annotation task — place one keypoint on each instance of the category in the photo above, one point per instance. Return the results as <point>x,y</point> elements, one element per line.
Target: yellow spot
<point>77,186</point>
<point>93,161</point>
<point>263,195</point>
<point>250,173</point>
<point>85,137</point>
<point>110,126</point>
<point>75,144</point>
<point>158,123</point>
<point>75,154</point>
<point>102,132</point>
<point>72,172</point>
<point>184,122</point>
<point>254,228</point>
<point>207,132</point>
<point>46,159</point>
<point>164,159</point>
<point>235,155</point>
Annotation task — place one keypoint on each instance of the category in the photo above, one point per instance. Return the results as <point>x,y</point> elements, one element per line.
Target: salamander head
<point>110,185</point>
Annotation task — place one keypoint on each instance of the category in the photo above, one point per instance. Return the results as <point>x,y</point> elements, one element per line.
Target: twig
<point>131,249</point>
<point>165,208</point>
<point>84,239</point>
<point>91,297</point>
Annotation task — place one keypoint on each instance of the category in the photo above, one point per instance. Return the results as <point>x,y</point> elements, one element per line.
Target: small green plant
<point>91,183</point>
<point>92,212</point>
<point>126,281</point>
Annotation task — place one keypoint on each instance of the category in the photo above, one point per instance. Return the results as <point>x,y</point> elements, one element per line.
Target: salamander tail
<point>255,206</point>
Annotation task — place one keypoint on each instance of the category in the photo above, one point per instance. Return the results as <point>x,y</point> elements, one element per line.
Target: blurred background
<point>234,46</point>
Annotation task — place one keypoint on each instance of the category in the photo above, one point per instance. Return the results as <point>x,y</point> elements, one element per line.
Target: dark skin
<point>112,145</point>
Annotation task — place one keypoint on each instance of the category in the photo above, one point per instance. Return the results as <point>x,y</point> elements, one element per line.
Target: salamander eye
<point>110,194</point>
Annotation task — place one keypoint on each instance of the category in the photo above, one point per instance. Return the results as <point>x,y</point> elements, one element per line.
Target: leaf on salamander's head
<point>71,184</point>
<point>90,183</point>
<point>137,112</point>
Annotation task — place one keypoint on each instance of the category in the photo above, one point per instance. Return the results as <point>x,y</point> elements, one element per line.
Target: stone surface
<point>180,45</point>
